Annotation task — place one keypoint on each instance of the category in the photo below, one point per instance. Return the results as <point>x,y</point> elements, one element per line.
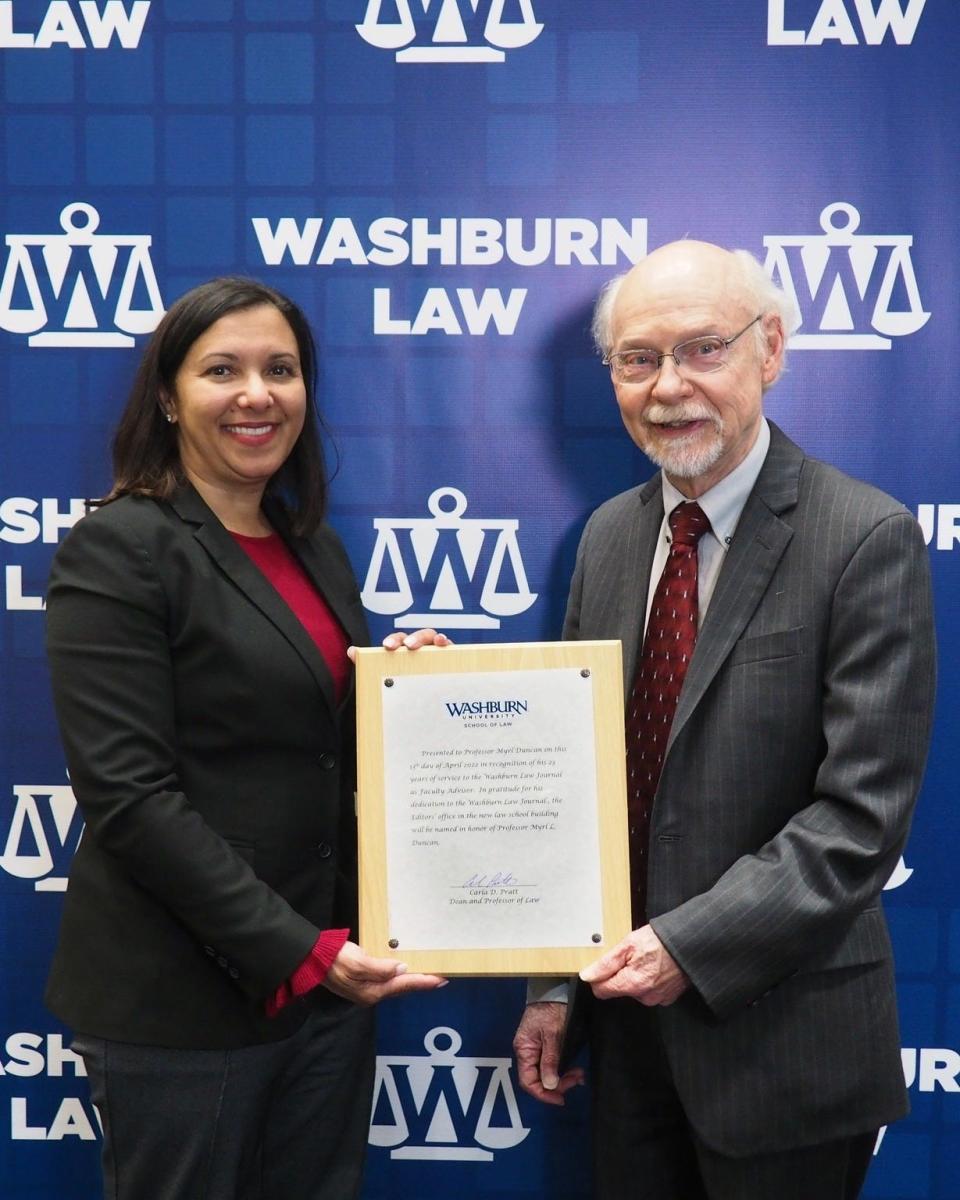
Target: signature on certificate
<point>496,880</point>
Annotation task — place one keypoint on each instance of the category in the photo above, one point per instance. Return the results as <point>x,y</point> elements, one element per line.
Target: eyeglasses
<point>697,356</point>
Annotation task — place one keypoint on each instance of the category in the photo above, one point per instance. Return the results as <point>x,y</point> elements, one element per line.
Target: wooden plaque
<point>492,806</point>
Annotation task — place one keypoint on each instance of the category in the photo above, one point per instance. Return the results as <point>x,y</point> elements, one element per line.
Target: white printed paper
<point>491,810</point>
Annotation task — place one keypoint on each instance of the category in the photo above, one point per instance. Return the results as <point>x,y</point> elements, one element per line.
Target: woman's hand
<point>358,977</point>
<point>408,641</point>
<point>413,641</point>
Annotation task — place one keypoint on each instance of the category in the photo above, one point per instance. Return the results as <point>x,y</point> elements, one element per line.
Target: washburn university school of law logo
<point>437,559</point>
<point>509,24</point>
<point>43,835</point>
<point>79,287</point>
<point>442,1107</point>
<point>861,289</point>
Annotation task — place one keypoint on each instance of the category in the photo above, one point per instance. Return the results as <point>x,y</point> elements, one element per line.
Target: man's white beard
<point>688,457</point>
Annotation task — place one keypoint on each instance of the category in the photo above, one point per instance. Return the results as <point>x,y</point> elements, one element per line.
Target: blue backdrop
<point>444,185</point>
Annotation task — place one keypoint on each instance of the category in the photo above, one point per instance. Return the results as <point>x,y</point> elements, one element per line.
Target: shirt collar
<point>723,503</point>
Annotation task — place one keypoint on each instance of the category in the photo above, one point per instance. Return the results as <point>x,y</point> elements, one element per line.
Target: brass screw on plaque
<point>597,937</point>
<point>388,683</point>
<point>585,673</point>
<point>393,943</point>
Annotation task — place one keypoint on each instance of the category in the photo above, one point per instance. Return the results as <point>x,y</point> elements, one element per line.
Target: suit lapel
<point>757,547</point>
<point>337,589</point>
<point>638,550</point>
<point>250,580</point>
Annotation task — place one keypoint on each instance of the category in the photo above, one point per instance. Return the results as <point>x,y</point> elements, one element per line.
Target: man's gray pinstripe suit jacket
<point>790,777</point>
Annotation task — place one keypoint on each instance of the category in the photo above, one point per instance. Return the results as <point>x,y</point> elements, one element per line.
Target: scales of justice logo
<point>443,1107</point>
<point>436,560</point>
<point>862,289</point>
<point>44,833</point>
<point>80,287</point>
<point>509,24</point>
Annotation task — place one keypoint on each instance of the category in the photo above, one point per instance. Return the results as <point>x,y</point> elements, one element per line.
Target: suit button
<point>324,851</point>
<point>234,973</point>
<point>221,961</point>
<point>209,950</point>
<point>328,761</point>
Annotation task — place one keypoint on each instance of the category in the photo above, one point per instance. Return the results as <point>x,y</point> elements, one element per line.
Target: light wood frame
<point>603,660</point>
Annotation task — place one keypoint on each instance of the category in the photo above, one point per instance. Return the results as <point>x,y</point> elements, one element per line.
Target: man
<point>744,1040</point>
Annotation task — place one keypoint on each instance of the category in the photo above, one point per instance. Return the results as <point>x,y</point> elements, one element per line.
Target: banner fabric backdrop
<point>444,185</point>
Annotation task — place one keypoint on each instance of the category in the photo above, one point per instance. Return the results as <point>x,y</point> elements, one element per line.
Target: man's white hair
<point>761,291</point>
<point>600,326</point>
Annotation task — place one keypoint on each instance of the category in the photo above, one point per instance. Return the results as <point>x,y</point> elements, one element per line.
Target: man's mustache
<point>664,414</point>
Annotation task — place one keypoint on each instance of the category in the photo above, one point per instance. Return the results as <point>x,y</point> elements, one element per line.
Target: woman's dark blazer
<point>214,769</point>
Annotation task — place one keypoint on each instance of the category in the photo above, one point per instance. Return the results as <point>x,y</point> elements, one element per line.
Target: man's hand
<point>639,967</point>
<point>537,1048</point>
<point>357,976</point>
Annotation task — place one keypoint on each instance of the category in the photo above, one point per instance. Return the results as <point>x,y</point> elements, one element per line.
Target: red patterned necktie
<point>667,650</point>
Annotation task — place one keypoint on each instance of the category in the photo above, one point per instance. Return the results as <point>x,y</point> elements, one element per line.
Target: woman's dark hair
<point>146,458</point>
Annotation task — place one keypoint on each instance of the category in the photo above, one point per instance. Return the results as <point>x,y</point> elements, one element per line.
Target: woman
<point>198,625</point>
